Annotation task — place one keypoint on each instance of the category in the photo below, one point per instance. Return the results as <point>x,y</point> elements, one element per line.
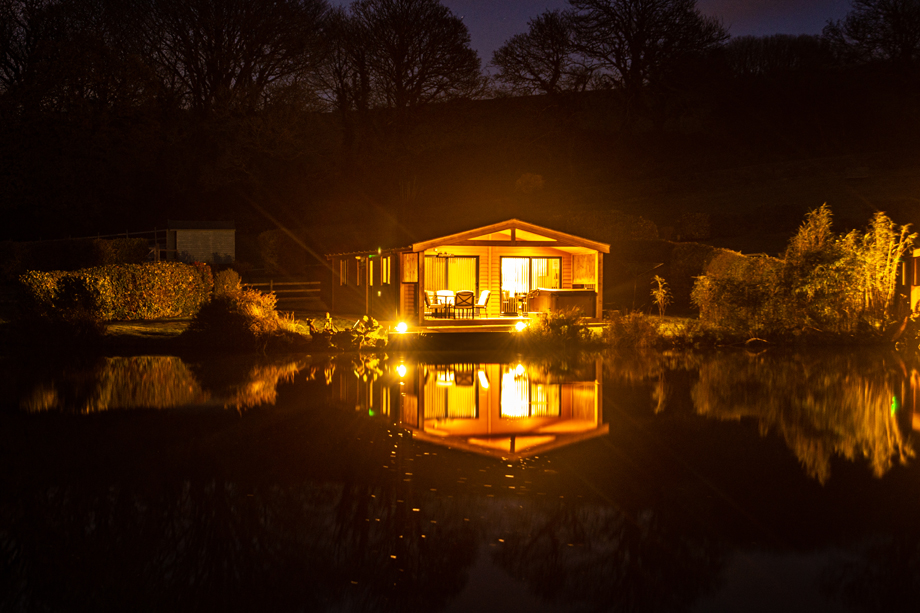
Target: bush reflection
<point>857,405</point>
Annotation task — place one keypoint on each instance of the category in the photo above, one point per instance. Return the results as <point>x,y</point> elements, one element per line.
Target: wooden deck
<point>480,324</point>
<point>479,333</point>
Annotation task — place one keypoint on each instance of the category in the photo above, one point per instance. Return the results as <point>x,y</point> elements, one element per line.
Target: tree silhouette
<point>886,30</point>
<point>542,60</point>
<point>417,52</point>
<point>220,56</point>
<point>638,43</point>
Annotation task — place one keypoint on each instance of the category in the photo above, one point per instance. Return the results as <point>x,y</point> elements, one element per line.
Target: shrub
<point>244,319</point>
<point>825,284</point>
<point>741,294</point>
<point>661,294</point>
<point>129,291</point>
<point>686,262</point>
<point>630,330</point>
<point>562,328</point>
<point>226,282</point>
<point>39,292</point>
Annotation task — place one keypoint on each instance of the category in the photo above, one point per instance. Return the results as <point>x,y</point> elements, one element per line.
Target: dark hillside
<point>738,163</point>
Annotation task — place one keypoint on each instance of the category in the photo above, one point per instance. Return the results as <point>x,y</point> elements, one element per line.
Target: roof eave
<point>561,237</point>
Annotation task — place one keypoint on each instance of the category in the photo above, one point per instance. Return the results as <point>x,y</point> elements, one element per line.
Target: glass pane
<point>514,275</point>
<point>547,273</point>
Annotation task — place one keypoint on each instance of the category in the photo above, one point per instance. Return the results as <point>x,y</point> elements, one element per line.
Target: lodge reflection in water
<point>499,409</point>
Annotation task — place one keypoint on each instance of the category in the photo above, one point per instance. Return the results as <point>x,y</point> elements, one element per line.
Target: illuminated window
<point>385,278</point>
<point>343,272</point>
<point>520,275</point>
<point>454,273</point>
<point>370,272</point>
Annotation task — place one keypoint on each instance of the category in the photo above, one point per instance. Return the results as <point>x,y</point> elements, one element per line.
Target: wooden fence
<point>290,291</point>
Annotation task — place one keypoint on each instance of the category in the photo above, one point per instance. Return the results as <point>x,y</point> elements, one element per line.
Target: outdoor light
<point>520,326</point>
<point>402,327</point>
<point>401,370</point>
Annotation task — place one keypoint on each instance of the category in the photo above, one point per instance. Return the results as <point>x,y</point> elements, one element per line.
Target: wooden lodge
<point>489,276</point>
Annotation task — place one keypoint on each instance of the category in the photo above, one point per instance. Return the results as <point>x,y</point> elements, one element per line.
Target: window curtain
<point>546,273</point>
<point>435,273</point>
<point>461,274</point>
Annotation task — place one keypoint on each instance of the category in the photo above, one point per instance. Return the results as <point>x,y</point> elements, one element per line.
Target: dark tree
<point>639,43</point>
<point>417,52</point>
<point>751,56</point>
<point>22,26</point>
<point>543,60</point>
<point>221,56</point>
<point>343,79</point>
<point>68,55</point>
<point>887,30</point>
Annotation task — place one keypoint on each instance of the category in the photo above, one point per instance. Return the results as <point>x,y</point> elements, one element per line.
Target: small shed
<point>213,242</point>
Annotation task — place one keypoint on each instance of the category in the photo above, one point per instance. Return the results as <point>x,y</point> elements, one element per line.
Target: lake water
<point>470,482</point>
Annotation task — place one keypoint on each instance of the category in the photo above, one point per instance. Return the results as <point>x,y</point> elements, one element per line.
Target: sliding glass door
<point>520,275</point>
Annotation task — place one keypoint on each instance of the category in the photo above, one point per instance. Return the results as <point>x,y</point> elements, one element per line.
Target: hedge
<point>119,292</point>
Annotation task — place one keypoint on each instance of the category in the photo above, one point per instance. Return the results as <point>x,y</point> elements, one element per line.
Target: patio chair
<point>480,306</point>
<point>432,307</point>
<point>509,303</point>
<point>464,302</point>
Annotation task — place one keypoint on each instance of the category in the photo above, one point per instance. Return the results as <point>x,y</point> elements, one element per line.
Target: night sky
<point>492,22</point>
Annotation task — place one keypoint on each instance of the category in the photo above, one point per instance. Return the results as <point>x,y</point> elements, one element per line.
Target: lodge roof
<point>513,224</point>
<point>560,238</point>
<point>200,225</point>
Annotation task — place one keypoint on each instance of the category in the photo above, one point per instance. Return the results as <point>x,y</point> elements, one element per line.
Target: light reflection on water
<point>854,405</point>
<point>658,482</point>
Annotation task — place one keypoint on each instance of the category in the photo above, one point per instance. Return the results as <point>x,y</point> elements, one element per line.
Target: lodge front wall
<point>490,270</point>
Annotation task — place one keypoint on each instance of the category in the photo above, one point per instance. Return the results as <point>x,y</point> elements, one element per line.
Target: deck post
<point>599,285</point>
<point>420,291</point>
